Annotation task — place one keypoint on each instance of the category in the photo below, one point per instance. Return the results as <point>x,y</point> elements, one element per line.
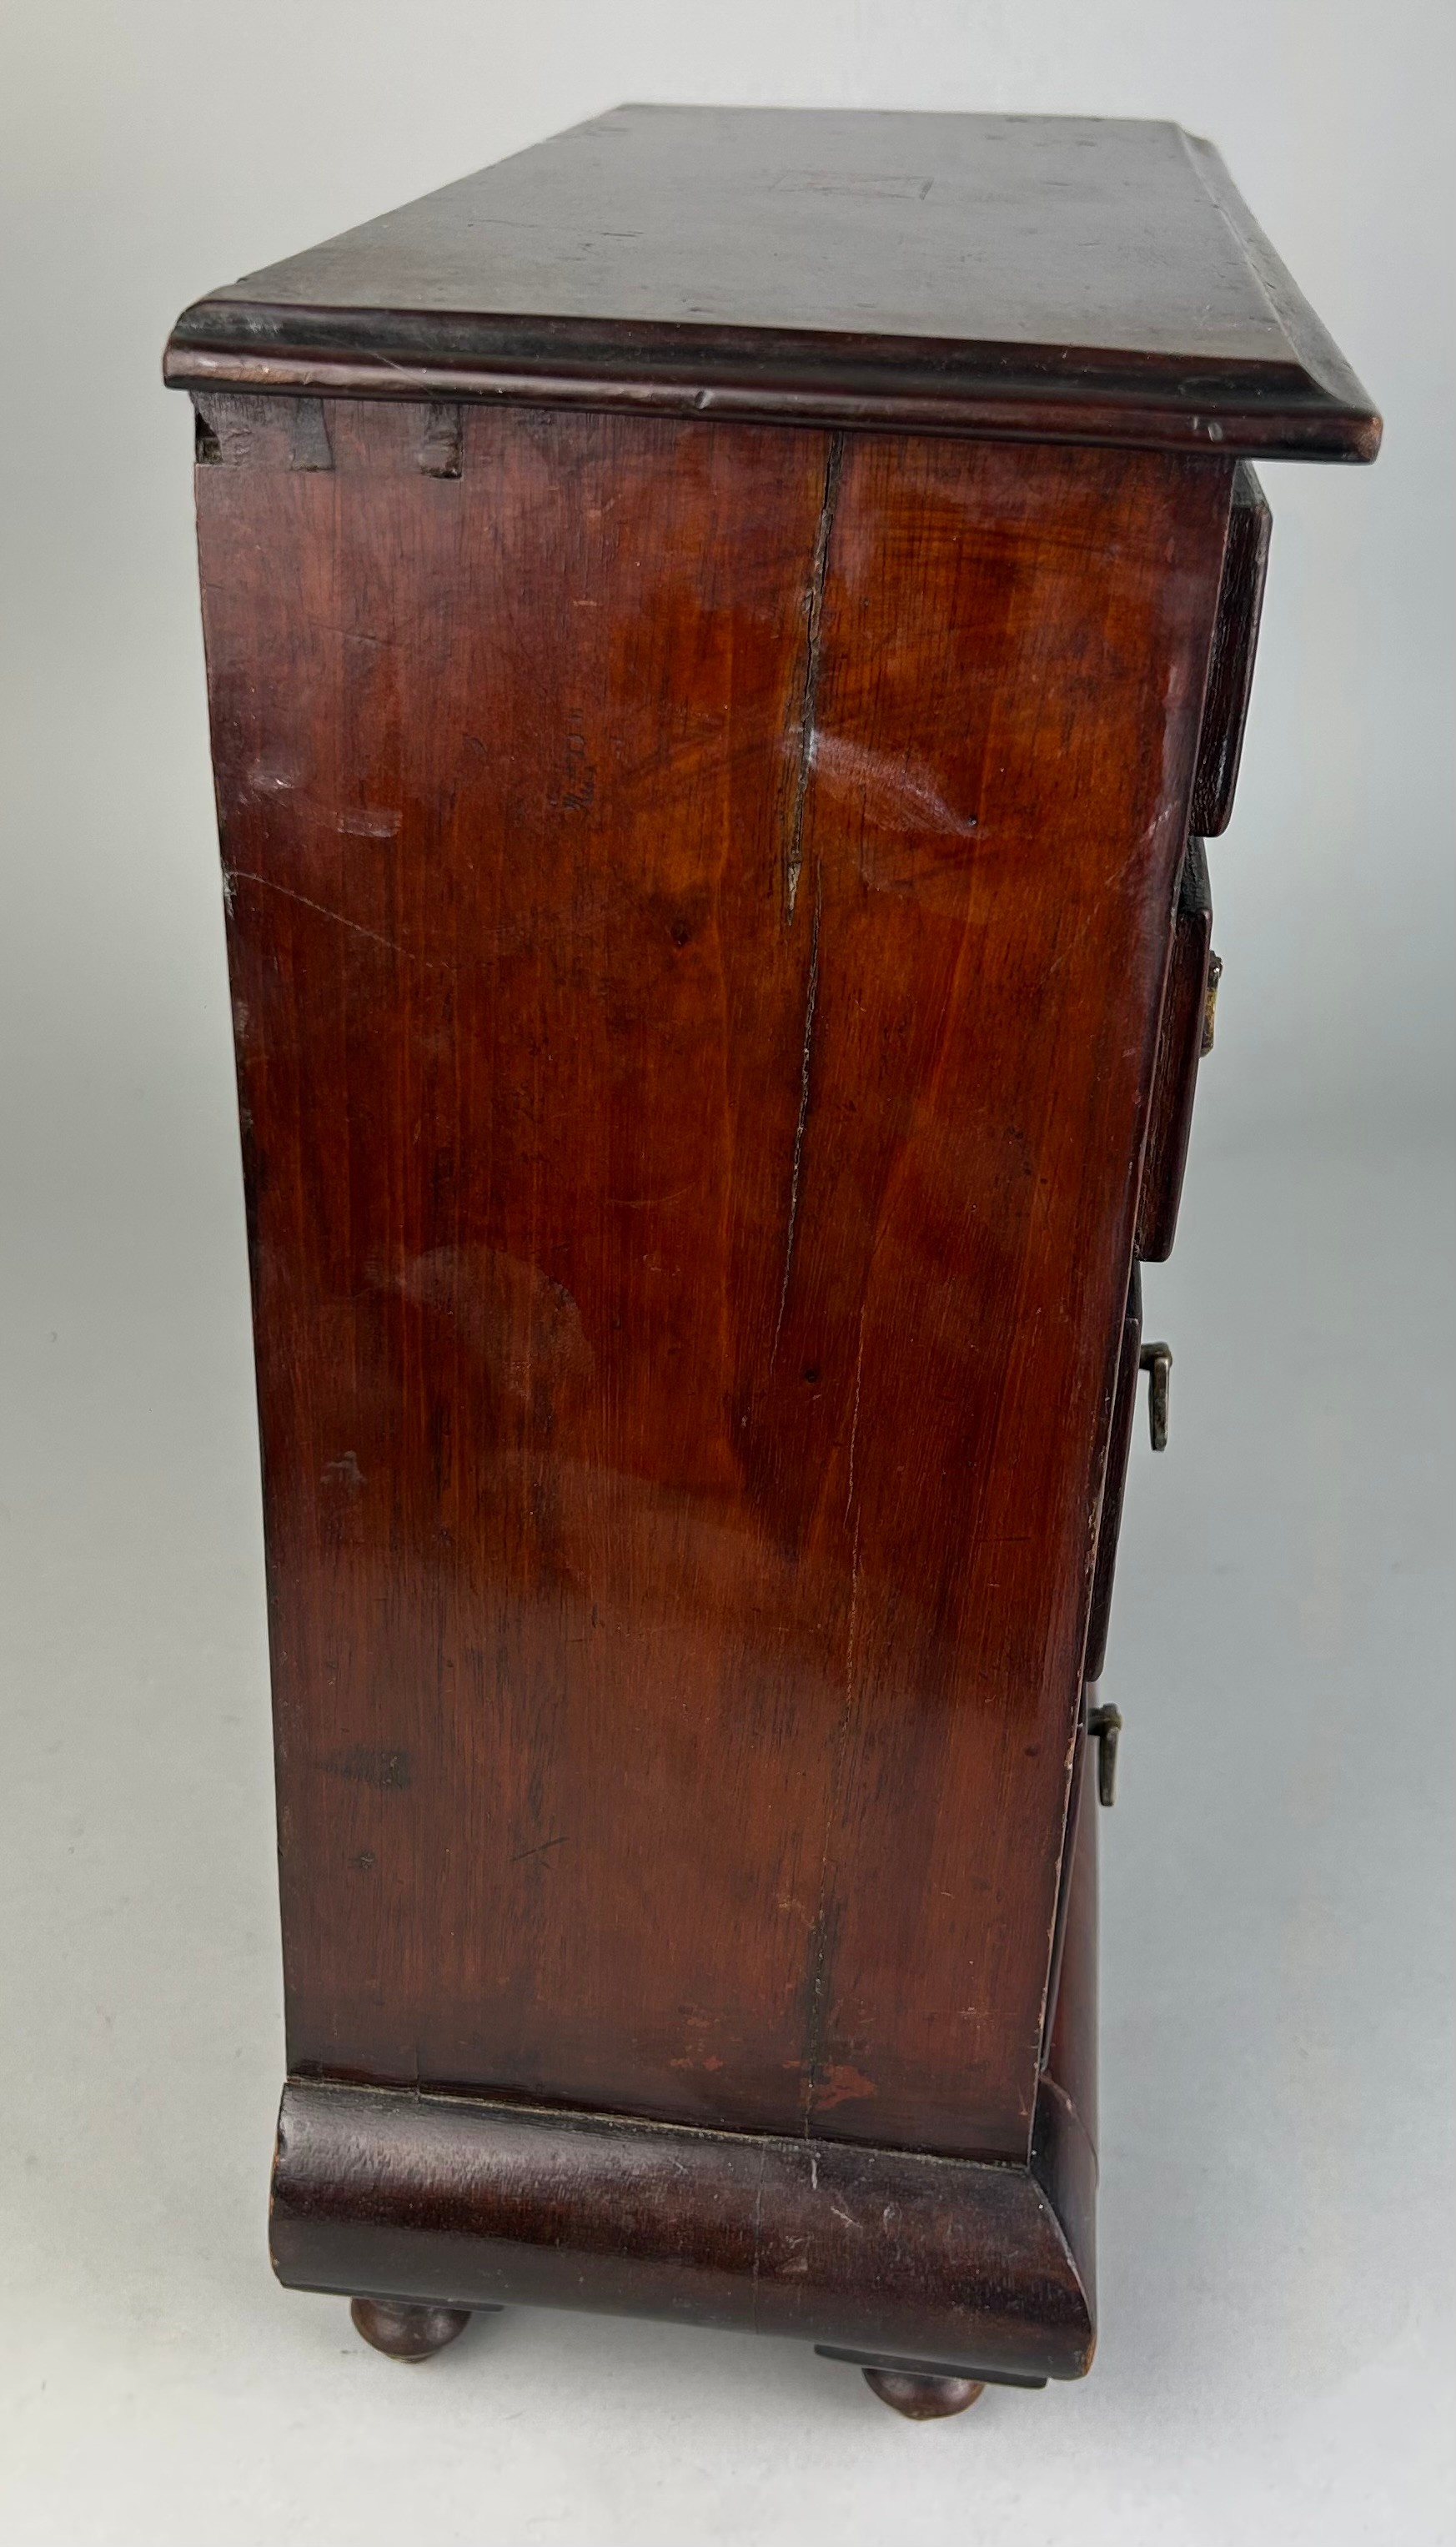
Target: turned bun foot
<point>924,2398</point>
<point>407,2329</point>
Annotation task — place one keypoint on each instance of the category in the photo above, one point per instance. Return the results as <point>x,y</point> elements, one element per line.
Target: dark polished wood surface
<point>924,2400</point>
<point>1038,276</point>
<point>987,2270</point>
<point>1230,670</point>
<point>692,1157</point>
<point>1179,1051</point>
<point>464,2203</point>
<point>719,969</point>
<point>405,2332</point>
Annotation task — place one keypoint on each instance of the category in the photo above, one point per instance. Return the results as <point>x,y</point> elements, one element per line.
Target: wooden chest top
<point>1043,277</point>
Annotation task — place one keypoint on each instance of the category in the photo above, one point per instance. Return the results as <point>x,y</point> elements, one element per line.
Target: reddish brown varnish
<point>718,965</point>
<point>694,1043</point>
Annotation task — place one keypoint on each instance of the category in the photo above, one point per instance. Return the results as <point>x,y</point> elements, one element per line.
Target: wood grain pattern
<point>699,913</point>
<point>466,2203</point>
<point>986,2272</point>
<point>718,632</point>
<point>1039,277</point>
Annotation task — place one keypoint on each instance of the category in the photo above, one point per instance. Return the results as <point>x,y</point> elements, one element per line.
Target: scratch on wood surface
<point>897,790</point>
<point>813,610</point>
<point>815,2027</point>
<point>539,1850</point>
<point>369,823</point>
<point>245,875</point>
<point>809,1004</point>
<point>859,1372</point>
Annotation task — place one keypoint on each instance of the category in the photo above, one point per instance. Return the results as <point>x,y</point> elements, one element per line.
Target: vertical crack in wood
<point>859,1372</point>
<point>813,611</point>
<point>820,1957</point>
<point>824,1921</point>
<point>809,1004</point>
<point>815,2028</point>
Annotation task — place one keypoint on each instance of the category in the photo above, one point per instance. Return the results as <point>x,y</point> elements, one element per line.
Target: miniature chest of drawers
<point>726,634</point>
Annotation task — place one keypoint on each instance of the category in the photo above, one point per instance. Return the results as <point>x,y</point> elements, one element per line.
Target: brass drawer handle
<point>1157,1362</point>
<point>1210,1002</point>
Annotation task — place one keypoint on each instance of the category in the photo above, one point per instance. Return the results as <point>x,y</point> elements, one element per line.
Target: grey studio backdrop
<point>1275,2216</point>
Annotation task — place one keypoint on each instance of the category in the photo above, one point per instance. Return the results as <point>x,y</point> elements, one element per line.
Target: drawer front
<point>1184,1031</point>
<point>1119,1447</point>
<point>1230,665</point>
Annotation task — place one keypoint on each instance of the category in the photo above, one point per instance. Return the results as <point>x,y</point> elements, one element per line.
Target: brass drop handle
<point>1157,1362</point>
<point>1104,1725</point>
<point>1210,1002</point>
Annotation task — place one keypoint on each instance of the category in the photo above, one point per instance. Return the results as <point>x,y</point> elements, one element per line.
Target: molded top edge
<point>940,271</point>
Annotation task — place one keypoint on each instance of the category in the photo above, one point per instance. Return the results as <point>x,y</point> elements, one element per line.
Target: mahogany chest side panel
<point>700,898</point>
